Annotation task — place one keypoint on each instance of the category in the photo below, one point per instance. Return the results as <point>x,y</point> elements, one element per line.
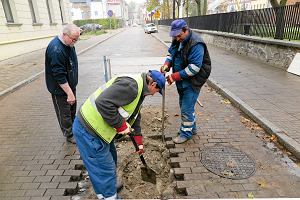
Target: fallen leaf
<point>262,183</point>
<point>273,138</point>
<point>176,115</point>
<point>250,195</point>
<point>226,101</point>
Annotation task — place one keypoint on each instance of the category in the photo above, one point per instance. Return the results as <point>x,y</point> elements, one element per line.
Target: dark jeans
<point>65,113</point>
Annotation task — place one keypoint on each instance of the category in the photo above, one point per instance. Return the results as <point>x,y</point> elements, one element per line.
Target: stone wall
<point>274,52</point>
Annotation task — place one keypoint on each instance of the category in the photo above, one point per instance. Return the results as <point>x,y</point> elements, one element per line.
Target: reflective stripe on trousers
<point>187,101</point>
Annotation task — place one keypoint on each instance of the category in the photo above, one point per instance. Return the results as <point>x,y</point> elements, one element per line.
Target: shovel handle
<point>137,147</point>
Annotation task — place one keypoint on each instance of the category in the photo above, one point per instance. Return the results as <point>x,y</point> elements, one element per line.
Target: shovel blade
<point>148,175</point>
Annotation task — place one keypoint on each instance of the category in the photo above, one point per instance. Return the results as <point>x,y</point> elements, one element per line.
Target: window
<point>49,11</point>
<point>7,11</point>
<point>61,11</point>
<point>33,15</point>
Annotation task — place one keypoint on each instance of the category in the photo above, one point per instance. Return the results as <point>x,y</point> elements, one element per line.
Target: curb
<point>37,75</point>
<point>268,126</point>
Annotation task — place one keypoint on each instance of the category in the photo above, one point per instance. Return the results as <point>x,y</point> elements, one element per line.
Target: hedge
<point>115,23</point>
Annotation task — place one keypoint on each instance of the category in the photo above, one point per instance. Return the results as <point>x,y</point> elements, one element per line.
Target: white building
<point>98,9</point>
<point>29,25</point>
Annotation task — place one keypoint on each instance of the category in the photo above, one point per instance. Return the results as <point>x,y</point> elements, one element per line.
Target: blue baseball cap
<point>176,27</point>
<point>159,78</point>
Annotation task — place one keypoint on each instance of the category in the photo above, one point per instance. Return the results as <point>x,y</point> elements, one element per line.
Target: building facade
<point>29,25</point>
<point>97,9</point>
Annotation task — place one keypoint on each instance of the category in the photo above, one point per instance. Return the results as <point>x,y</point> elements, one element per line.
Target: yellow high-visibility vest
<point>94,119</point>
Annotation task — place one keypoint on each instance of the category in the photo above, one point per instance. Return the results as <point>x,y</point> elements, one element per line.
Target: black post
<point>173,9</point>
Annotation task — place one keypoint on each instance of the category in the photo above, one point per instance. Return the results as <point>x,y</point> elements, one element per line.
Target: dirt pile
<point>129,163</point>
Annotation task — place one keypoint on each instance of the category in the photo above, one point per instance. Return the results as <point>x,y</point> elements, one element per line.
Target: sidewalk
<point>36,163</point>
<point>18,71</point>
<point>270,96</point>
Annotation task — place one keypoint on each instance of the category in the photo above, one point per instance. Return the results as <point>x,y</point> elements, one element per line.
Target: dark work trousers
<point>65,113</point>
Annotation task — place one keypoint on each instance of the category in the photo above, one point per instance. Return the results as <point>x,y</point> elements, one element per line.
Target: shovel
<point>147,173</point>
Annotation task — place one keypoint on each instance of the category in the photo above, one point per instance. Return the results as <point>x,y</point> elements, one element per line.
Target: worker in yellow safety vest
<point>111,111</point>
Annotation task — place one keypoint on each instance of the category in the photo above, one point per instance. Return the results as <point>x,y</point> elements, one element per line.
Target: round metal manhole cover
<point>227,162</point>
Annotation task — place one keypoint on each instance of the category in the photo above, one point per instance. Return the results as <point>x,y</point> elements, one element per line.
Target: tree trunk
<point>187,8</point>
<point>204,7</point>
<point>173,9</point>
<point>168,9</point>
<point>280,13</point>
<point>199,7</point>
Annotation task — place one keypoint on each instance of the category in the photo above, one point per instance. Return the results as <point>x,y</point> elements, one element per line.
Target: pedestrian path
<point>17,71</point>
<point>269,95</point>
<point>36,163</point>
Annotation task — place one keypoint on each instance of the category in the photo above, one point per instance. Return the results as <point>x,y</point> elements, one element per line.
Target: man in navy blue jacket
<point>191,66</point>
<point>61,70</point>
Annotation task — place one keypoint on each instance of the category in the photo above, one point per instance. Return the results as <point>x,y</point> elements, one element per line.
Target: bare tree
<point>280,11</point>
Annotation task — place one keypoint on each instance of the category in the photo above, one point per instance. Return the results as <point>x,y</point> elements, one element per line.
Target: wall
<point>25,36</point>
<point>274,52</point>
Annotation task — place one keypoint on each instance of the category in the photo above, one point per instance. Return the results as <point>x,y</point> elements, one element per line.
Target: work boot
<point>180,140</point>
<point>119,186</point>
<point>71,140</point>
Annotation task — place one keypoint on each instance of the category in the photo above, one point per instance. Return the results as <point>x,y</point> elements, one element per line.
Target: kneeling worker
<point>112,109</point>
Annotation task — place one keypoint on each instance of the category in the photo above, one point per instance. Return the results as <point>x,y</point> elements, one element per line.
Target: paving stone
<point>55,192</point>
<point>35,193</point>
<point>61,179</point>
<point>26,186</point>
<point>54,172</point>
<point>43,179</point>
<point>51,185</point>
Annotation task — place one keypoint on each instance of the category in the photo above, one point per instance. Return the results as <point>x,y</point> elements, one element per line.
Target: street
<point>36,162</point>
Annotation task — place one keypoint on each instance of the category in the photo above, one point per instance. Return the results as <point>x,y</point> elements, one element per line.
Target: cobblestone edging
<point>37,75</point>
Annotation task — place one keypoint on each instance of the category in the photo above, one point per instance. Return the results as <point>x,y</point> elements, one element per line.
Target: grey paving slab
<point>271,93</point>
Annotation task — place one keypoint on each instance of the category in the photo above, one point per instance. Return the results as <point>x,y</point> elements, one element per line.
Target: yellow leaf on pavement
<point>273,138</point>
<point>226,101</point>
<point>250,195</point>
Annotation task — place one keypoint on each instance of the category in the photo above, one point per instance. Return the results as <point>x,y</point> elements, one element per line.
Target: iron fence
<point>279,23</point>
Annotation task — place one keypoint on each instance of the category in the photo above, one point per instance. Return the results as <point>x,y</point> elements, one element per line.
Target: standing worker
<point>191,67</point>
<point>112,109</point>
<point>61,70</point>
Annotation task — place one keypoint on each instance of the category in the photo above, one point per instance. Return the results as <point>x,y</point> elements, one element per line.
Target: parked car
<point>150,28</point>
<point>91,27</point>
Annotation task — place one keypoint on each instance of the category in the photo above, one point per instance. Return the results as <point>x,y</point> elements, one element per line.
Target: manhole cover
<point>227,162</point>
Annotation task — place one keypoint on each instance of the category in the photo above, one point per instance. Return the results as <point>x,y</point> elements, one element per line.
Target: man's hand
<point>124,129</point>
<point>164,69</point>
<point>173,77</point>
<point>139,141</point>
<point>71,98</point>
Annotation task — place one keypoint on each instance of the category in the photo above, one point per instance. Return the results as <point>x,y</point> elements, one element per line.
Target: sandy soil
<point>129,163</point>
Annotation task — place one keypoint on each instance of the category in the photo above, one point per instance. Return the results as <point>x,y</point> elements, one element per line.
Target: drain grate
<point>227,162</point>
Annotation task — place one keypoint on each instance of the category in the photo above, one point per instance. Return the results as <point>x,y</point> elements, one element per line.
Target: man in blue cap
<point>191,66</point>
<point>109,112</point>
